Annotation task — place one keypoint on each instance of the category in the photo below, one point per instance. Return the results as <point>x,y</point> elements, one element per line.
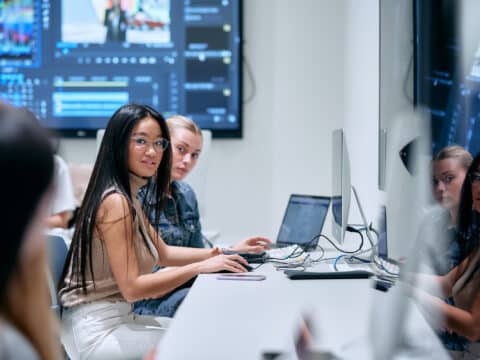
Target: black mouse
<point>253,258</point>
<point>247,267</point>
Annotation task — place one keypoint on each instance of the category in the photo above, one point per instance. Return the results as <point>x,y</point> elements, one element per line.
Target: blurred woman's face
<point>35,238</point>
<point>476,190</point>
<point>186,149</point>
<point>448,178</point>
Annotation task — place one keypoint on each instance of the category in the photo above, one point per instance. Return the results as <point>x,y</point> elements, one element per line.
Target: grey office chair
<point>57,255</point>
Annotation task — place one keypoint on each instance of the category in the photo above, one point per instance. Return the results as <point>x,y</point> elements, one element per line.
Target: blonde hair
<point>455,152</point>
<point>183,122</point>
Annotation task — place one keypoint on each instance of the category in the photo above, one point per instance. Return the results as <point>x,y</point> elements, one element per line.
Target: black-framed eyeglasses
<point>143,144</point>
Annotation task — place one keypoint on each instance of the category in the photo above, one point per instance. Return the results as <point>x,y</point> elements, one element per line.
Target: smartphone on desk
<point>241,277</point>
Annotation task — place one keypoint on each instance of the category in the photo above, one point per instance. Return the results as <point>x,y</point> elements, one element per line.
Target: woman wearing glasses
<point>462,283</point>
<point>114,248</point>
<point>449,168</point>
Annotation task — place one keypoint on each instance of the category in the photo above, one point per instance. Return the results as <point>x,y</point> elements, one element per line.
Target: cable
<point>321,256</point>
<point>251,78</point>
<point>299,251</point>
<point>336,260</point>
<point>255,268</point>
<point>372,229</point>
<point>292,255</point>
<point>360,259</point>
<point>323,259</point>
<point>380,266</point>
<point>351,229</point>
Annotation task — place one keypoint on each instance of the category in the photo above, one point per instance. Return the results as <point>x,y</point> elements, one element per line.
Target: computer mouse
<point>247,267</point>
<point>254,258</point>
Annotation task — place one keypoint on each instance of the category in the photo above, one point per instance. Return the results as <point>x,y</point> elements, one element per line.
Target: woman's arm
<point>435,283</point>
<point>59,220</point>
<point>114,223</point>
<point>178,255</point>
<point>454,319</point>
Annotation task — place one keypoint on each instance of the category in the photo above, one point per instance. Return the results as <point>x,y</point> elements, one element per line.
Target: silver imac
<point>340,185</point>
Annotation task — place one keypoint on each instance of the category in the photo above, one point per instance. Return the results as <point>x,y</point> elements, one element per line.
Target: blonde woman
<point>179,223</point>
<point>449,169</point>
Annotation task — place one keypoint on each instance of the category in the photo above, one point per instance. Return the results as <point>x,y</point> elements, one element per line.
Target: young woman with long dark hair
<point>114,248</point>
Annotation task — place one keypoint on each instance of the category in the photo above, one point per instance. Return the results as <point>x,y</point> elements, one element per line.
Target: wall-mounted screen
<point>73,63</point>
<point>447,70</point>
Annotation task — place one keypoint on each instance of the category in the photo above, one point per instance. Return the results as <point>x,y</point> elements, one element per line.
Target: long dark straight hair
<point>469,219</point>
<point>26,160</point>
<point>111,170</point>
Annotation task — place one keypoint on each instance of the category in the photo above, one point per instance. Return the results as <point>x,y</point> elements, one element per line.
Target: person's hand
<point>232,263</point>
<point>257,244</point>
<point>150,355</point>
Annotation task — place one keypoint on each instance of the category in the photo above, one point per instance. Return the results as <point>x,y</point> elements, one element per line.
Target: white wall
<point>362,102</point>
<point>316,65</point>
<point>296,52</point>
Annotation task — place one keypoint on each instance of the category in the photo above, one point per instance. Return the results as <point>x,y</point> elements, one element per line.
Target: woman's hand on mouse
<point>233,263</point>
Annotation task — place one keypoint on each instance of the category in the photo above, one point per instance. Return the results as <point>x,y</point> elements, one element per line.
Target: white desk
<point>223,319</point>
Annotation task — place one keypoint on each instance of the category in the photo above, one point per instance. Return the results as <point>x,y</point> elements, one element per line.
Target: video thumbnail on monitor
<point>105,21</point>
<point>16,28</point>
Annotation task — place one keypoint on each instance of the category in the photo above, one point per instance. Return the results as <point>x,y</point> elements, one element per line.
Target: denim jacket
<point>179,222</point>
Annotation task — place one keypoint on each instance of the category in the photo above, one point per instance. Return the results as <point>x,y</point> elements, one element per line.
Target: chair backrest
<point>80,175</point>
<point>57,255</point>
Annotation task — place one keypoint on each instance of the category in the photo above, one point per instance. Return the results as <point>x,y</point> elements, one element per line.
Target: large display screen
<point>447,70</point>
<point>73,63</point>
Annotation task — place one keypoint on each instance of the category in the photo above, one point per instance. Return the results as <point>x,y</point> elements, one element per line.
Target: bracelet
<point>217,251</point>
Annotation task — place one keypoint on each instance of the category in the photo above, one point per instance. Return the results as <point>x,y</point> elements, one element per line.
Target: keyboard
<point>314,275</point>
<point>388,265</point>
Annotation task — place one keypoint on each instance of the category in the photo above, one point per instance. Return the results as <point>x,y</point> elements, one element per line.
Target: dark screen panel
<point>447,75</point>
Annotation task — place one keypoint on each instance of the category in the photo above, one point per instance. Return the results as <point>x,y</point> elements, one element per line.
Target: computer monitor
<point>340,185</point>
<point>408,191</point>
<point>405,150</point>
<point>74,62</point>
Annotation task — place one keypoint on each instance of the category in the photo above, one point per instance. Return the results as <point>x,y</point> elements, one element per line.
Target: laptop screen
<point>303,219</point>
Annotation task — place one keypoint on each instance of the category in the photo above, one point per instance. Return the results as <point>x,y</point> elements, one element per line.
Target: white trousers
<point>109,330</point>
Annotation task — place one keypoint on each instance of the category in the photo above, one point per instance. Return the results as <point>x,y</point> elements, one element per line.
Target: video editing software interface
<point>448,72</point>
<point>73,63</point>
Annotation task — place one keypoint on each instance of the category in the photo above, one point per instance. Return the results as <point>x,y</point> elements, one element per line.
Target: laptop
<point>303,220</point>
